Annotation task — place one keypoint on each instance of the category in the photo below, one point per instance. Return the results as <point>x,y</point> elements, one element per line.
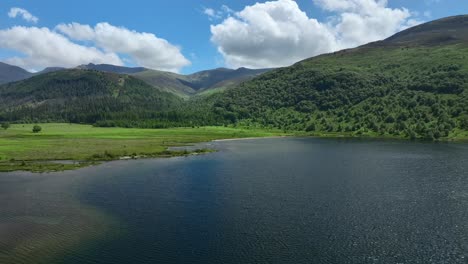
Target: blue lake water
<point>286,200</point>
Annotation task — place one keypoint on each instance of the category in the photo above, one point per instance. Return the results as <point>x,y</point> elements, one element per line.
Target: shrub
<point>310,128</point>
<point>36,129</point>
<point>5,125</point>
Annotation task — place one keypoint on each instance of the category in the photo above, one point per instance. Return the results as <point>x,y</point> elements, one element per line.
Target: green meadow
<point>83,145</point>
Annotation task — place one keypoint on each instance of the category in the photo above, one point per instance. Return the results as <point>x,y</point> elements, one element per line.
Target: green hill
<point>414,84</point>
<point>83,96</point>
<point>112,68</point>
<point>445,31</point>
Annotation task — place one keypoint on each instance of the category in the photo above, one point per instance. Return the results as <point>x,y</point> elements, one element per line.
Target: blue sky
<point>188,29</point>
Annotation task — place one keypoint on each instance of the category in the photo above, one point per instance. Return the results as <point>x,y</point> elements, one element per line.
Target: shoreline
<point>247,138</point>
<point>73,144</point>
<point>51,166</point>
<point>83,145</point>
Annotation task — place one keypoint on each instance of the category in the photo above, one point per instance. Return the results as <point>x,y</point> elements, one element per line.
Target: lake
<point>283,200</point>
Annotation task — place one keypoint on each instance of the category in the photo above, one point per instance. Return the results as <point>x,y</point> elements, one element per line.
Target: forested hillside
<point>397,87</point>
<point>83,96</point>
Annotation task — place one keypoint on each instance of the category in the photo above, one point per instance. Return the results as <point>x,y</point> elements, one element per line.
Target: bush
<point>36,129</point>
<point>464,122</point>
<point>5,125</point>
<point>310,128</point>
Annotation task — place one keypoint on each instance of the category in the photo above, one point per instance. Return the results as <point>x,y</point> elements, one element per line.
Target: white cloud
<point>227,10</point>
<point>270,34</point>
<point>210,12</point>
<point>76,31</point>
<point>362,21</point>
<point>145,49</point>
<point>278,33</point>
<point>16,11</point>
<point>213,14</point>
<point>42,48</point>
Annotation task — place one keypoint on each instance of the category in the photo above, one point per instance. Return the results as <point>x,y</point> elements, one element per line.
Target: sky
<point>186,36</point>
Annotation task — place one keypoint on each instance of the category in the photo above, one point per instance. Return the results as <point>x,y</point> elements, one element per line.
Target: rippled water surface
<point>283,200</point>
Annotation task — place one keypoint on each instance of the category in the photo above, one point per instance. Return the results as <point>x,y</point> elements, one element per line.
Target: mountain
<point>9,73</point>
<point>199,82</point>
<point>83,96</point>
<point>112,68</point>
<point>413,84</point>
<point>166,81</point>
<point>444,31</point>
<point>183,85</point>
<point>50,69</point>
<point>203,82</point>
<point>220,77</point>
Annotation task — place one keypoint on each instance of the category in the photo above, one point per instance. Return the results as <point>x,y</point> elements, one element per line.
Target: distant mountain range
<point>182,85</point>
<point>200,82</point>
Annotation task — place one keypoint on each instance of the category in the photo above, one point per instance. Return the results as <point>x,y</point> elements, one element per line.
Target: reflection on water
<point>256,201</point>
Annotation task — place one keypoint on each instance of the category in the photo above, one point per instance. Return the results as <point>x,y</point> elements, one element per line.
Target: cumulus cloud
<point>23,13</point>
<point>43,47</point>
<point>278,33</point>
<point>362,21</point>
<point>270,34</point>
<point>144,49</point>
<point>69,45</point>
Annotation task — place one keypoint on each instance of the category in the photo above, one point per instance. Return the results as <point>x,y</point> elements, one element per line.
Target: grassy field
<point>20,149</point>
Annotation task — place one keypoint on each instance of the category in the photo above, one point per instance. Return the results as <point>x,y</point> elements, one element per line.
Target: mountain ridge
<point>441,31</point>
<point>179,84</point>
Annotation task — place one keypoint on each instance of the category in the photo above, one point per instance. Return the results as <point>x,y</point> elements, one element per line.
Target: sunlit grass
<point>22,149</point>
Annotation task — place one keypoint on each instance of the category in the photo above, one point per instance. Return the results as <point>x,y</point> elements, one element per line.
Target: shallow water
<point>286,200</point>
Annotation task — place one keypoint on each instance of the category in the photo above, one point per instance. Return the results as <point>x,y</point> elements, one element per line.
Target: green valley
<point>413,85</point>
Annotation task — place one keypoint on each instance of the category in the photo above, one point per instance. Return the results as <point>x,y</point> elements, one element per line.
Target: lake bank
<point>22,150</point>
<point>85,145</point>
